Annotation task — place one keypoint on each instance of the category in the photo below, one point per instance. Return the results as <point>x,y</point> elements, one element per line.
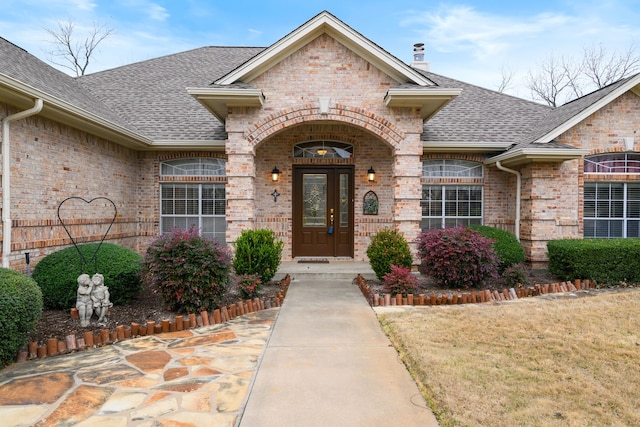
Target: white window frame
<point>622,208</point>
<point>613,163</point>
<point>208,215</point>
<point>451,168</point>
<point>445,220</point>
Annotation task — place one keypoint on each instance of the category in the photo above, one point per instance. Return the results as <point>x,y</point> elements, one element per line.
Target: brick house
<point>323,137</point>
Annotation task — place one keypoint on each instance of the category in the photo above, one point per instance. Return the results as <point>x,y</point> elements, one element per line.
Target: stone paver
<point>189,378</point>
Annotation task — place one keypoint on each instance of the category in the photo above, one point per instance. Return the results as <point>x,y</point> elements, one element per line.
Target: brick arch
<point>283,119</point>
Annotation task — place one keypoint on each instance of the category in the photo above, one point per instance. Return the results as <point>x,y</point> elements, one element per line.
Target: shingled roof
<point>482,115</point>
<point>149,99</point>
<point>152,94</point>
<point>38,77</point>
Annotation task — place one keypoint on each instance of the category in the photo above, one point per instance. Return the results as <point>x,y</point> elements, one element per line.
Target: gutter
<point>6,176</point>
<point>518,191</point>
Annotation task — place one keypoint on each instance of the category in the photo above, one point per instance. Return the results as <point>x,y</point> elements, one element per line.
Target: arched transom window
<point>193,167</point>
<point>451,168</point>
<point>323,150</point>
<point>613,163</point>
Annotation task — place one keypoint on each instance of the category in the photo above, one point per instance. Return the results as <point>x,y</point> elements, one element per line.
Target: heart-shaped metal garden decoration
<point>109,204</point>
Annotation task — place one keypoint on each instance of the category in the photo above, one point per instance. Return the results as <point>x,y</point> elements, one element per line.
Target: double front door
<point>323,211</point>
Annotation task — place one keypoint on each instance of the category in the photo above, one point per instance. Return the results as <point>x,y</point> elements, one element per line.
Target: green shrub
<point>57,273</point>
<point>516,276</point>
<point>257,252</point>
<point>191,272</point>
<point>20,309</point>
<point>388,247</point>
<point>457,257</point>
<point>509,250</point>
<point>603,260</point>
<point>400,281</point>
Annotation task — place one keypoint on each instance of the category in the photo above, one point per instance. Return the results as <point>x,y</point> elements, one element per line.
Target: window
<point>611,209</point>
<point>451,205</point>
<point>613,163</point>
<point>451,168</point>
<point>183,205</point>
<point>447,205</point>
<point>323,150</point>
<point>193,167</point>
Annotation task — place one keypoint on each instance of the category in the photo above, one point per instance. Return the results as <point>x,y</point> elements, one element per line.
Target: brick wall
<point>51,162</point>
<point>383,138</point>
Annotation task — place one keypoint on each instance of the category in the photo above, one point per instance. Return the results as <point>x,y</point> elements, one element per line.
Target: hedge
<point>607,261</point>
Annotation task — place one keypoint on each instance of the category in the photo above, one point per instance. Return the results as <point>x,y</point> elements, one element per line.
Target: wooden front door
<point>323,211</point>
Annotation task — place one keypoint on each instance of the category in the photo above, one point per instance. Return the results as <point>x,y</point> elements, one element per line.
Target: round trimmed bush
<point>388,247</point>
<point>20,309</point>
<point>57,273</point>
<point>257,252</point>
<point>509,250</point>
<point>190,271</point>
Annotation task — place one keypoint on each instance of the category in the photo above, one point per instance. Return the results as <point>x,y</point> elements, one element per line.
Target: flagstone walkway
<point>194,377</point>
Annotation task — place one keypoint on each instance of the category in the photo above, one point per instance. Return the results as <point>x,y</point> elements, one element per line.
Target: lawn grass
<point>572,361</point>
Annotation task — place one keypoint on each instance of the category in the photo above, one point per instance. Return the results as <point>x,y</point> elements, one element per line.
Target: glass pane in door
<point>314,193</point>
<point>344,200</point>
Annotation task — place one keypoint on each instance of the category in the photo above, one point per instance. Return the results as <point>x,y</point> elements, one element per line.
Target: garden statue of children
<point>84,302</point>
<point>100,297</point>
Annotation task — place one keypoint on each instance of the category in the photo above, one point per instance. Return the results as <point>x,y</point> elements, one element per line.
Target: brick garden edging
<point>470,297</point>
<point>102,337</point>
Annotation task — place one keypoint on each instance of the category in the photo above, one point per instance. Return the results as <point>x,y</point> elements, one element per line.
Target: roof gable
<point>322,23</point>
<point>570,114</point>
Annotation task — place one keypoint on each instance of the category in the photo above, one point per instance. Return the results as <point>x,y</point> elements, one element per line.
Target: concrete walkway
<point>327,363</point>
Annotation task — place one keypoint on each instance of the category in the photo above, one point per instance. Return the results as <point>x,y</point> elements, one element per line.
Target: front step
<point>331,270</point>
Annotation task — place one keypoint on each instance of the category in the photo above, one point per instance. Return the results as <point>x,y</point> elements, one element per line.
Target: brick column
<point>407,172</point>
<point>240,189</point>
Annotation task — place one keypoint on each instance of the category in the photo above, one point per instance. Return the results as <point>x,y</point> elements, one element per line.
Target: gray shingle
<point>483,115</point>
<point>152,94</point>
<point>20,65</point>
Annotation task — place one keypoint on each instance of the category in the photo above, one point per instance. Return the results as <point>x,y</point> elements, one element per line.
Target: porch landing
<point>325,268</point>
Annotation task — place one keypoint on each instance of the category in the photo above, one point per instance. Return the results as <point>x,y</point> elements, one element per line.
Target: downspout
<point>518,185</point>
<point>6,177</point>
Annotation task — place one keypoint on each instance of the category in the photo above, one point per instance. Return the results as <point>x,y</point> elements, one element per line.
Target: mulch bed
<point>146,306</point>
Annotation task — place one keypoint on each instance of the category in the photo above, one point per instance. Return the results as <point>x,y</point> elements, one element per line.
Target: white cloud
<point>462,28</point>
<point>157,12</point>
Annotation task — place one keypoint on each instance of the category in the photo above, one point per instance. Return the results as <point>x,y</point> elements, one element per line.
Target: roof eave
<point>464,146</point>
<point>520,156</point>
<point>329,24</point>
<point>21,95</point>
<point>218,100</point>
<point>428,100</point>
<point>216,145</point>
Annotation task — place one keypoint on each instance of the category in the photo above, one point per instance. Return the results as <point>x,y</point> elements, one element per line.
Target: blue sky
<point>468,40</point>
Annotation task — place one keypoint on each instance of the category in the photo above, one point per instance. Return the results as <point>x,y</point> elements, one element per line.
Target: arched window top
<point>451,168</point>
<point>198,166</point>
<point>323,150</point>
<point>613,163</point>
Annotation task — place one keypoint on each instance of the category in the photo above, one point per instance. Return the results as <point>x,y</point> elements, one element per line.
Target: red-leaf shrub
<point>190,271</point>
<point>399,281</point>
<point>457,257</point>
<point>249,286</point>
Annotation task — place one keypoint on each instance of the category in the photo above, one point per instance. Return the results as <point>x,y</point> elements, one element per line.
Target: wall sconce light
<point>371,174</point>
<point>275,174</point>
